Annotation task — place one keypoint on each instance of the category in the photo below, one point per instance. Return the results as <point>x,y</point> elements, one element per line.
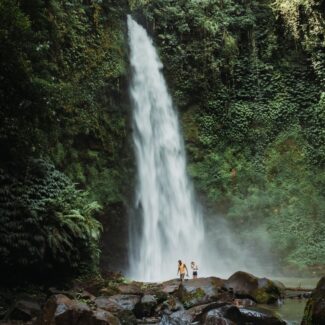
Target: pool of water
<point>306,283</point>
<point>291,310</point>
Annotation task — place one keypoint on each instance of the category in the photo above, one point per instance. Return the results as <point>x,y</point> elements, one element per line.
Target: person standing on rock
<point>195,268</point>
<point>182,270</point>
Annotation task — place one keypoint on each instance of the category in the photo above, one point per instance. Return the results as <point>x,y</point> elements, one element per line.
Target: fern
<point>47,223</point>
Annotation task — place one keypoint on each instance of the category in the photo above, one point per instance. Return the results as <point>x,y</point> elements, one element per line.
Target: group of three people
<point>182,270</point>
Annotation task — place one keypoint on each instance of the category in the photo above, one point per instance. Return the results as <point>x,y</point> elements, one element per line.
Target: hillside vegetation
<point>248,79</point>
<point>63,102</point>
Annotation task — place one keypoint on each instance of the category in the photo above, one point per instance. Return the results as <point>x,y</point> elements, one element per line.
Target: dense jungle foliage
<point>62,72</point>
<point>248,78</point>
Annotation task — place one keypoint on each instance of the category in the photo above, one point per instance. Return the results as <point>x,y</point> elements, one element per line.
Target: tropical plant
<point>47,224</point>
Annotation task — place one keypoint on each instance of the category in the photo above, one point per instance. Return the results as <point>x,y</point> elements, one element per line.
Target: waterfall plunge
<point>168,225</point>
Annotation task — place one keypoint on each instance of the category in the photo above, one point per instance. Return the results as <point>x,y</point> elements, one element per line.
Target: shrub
<point>47,225</point>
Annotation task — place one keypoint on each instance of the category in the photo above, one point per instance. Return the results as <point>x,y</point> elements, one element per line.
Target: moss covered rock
<point>261,290</point>
<point>146,307</point>
<point>315,308</point>
<point>199,291</point>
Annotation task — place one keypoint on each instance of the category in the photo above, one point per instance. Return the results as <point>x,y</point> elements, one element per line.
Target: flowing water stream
<point>167,225</point>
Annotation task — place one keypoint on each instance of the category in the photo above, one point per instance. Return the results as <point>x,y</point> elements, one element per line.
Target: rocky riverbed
<point>241,299</point>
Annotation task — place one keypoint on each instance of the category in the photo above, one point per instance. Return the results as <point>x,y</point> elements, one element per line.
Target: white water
<point>168,224</point>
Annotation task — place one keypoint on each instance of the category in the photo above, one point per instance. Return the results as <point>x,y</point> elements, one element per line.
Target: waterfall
<point>167,225</point>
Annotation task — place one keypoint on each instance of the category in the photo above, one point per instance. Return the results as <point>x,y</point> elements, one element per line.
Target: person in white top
<point>195,268</point>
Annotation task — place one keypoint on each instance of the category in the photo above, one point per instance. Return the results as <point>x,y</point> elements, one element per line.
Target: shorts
<point>182,275</point>
<point>195,273</point>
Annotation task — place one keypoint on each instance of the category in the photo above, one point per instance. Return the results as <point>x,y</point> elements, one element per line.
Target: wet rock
<point>61,310</point>
<point>133,288</point>
<point>183,316</point>
<point>171,305</point>
<point>117,303</point>
<point>101,317</point>
<point>246,302</point>
<point>216,320</point>
<point>168,320</point>
<point>259,316</point>
<point>199,291</point>
<point>170,286</point>
<point>108,291</point>
<point>314,313</point>
<point>226,314</point>
<point>24,309</point>
<point>150,320</point>
<point>199,312</point>
<point>193,297</point>
<point>126,317</point>
<point>307,295</point>
<point>156,290</point>
<point>280,286</point>
<point>261,290</point>
<point>146,307</point>
<point>209,285</point>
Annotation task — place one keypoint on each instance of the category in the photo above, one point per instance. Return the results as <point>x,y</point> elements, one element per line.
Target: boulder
<point>246,302</point>
<point>117,303</point>
<point>259,316</point>
<point>192,298</point>
<point>187,316</point>
<point>146,307</point>
<point>209,285</point>
<point>171,305</point>
<point>101,317</point>
<point>216,320</point>
<point>154,289</point>
<point>226,314</point>
<point>200,291</point>
<point>195,314</point>
<point>168,320</point>
<point>181,317</point>
<point>133,288</point>
<point>61,310</point>
<point>233,315</point>
<point>280,286</point>
<point>24,309</point>
<point>199,311</point>
<point>126,317</point>
<point>170,286</point>
<point>150,320</point>
<point>261,290</point>
<point>314,313</point>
